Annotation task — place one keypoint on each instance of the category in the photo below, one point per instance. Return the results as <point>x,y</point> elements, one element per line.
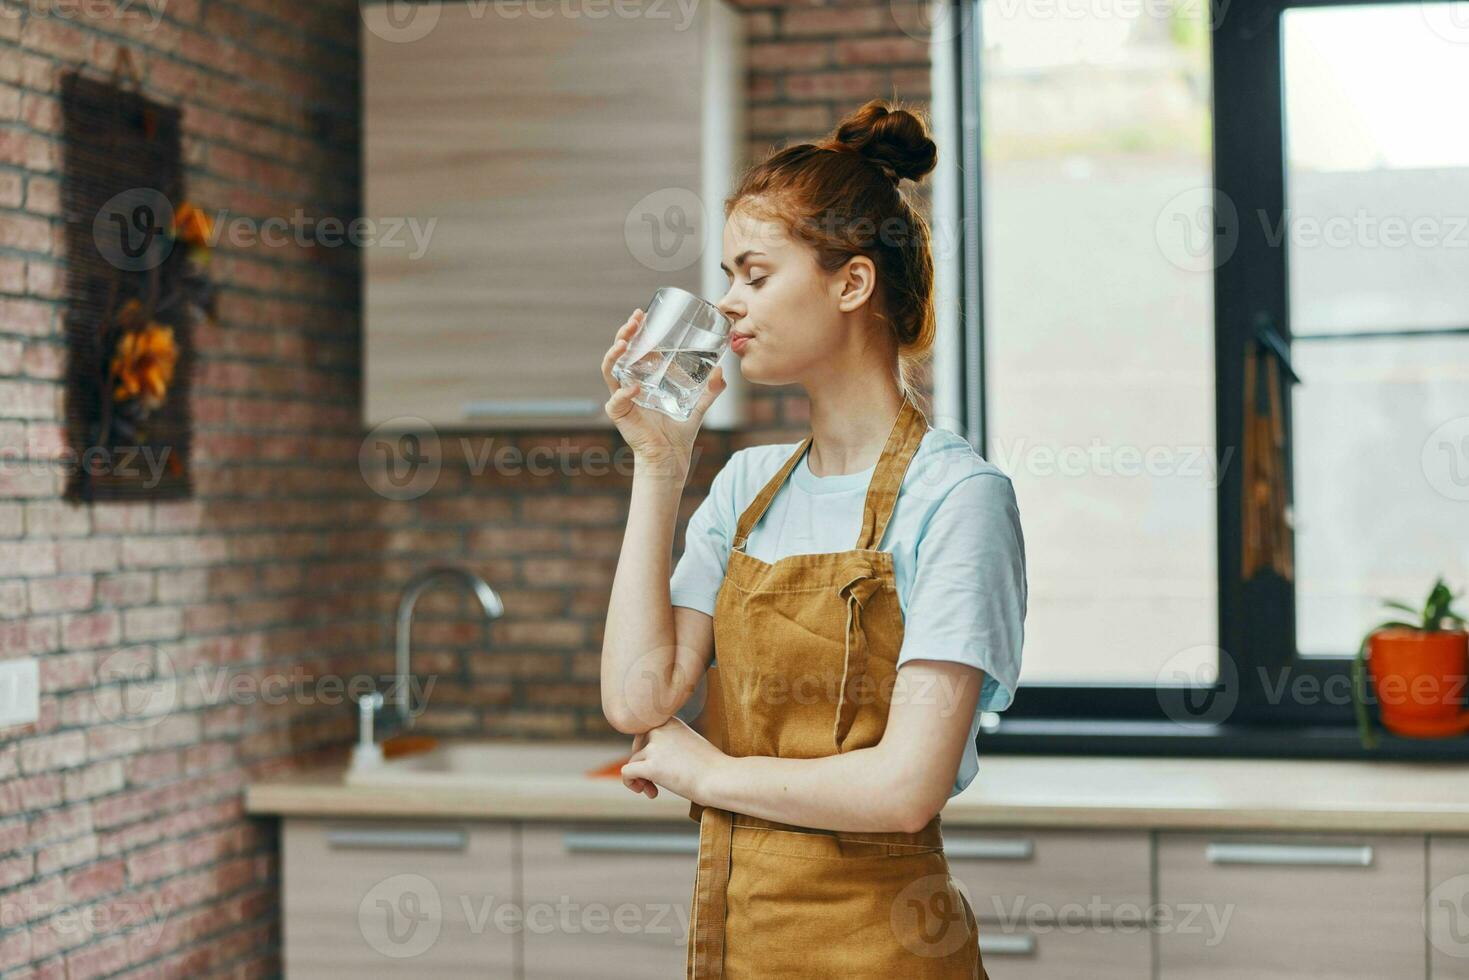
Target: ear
<point>855,283</point>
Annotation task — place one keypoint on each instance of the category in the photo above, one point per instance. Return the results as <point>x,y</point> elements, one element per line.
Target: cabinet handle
<point>1342,855</point>
<point>647,842</point>
<point>991,848</point>
<point>492,407</point>
<point>1006,944</point>
<point>402,838</point>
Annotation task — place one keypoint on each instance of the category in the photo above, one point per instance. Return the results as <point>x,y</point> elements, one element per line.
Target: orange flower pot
<point>1420,679</point>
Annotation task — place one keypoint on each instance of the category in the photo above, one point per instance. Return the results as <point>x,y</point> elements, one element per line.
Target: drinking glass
<point>674,352</point>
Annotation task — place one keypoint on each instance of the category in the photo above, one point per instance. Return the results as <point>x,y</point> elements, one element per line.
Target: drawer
<point>1447,907</point>
<point>397,899</point>
<point>1028,875</point>
<point>607,899</point>
<point>1031,951</point>
<point>1290,906</point>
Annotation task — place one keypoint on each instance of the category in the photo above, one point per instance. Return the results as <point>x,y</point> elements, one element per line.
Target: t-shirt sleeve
<point>969,596</point>
<point>700,569</point>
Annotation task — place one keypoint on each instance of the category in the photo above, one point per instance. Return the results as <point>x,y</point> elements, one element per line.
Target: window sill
<point>1038,736</point>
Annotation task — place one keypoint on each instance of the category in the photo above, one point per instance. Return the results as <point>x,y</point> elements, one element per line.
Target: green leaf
<point>1365,734</point>
<point>1439,598</point>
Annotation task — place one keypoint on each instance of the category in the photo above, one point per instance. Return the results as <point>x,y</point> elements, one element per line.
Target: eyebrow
<point>740,260</point>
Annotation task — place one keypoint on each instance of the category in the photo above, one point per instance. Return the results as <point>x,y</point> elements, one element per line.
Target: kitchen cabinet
<point>1026,874</point>
<point>421,899</point>
<point>527,181</point>
<point>1291,906</point>
<point>1057,904</point>
<point>613,895</point>
<point>1053,951</point>
<point>1446,907</point>
<point>535,899</point>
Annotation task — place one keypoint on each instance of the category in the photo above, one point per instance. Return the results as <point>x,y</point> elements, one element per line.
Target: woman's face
<point>797,317</point>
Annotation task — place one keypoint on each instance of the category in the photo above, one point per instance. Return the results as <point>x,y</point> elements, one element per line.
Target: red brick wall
<point>124,848</point>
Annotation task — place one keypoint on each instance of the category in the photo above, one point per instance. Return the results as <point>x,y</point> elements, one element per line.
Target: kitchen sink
<point>464,762</point>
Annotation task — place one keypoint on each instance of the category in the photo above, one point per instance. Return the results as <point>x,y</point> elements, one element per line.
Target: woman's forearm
<point>640,689</point>
<point>860,791</point>
<point>899,784</point>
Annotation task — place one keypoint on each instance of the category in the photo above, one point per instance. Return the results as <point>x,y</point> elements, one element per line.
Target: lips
<point>738,341</point>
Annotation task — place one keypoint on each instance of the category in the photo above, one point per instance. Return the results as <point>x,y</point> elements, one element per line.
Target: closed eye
<point>756,282</point>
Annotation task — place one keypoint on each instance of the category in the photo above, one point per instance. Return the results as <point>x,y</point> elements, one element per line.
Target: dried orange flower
<point>192,225</point>
<point>143,364</point>
<point>130,315</point>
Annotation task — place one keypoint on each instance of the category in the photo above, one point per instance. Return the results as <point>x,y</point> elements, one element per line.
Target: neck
<point>852,414</point>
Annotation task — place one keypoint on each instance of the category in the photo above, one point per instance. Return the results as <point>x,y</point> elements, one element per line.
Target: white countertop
<point>534,779</point>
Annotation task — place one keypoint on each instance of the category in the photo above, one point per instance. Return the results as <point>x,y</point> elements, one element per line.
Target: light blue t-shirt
<point>958,552</point>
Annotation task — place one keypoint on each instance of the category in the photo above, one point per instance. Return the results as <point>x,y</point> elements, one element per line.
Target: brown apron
<point>806,657</point>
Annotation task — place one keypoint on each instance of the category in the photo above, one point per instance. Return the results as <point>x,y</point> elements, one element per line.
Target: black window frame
<point>1257,624</point>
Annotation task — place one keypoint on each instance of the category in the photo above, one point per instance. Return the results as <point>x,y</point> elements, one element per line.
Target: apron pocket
<point>816,907</point>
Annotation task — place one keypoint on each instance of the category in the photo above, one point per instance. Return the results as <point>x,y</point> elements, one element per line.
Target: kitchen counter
<point>547,780</point>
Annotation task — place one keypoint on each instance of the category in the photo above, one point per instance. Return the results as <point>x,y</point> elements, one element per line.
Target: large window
<point>1154,184</point>
<point>1099,347</point>
<point>1377,188</point>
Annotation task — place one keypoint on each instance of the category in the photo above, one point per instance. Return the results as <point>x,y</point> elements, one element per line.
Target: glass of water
<point>674,352</point>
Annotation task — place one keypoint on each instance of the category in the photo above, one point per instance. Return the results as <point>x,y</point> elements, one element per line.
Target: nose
<point>727,306</point>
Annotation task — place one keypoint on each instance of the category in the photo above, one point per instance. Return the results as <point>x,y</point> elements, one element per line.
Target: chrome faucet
<point>415,587</point>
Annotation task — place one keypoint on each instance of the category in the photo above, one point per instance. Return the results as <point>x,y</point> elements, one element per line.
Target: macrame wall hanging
<point>136,267</point>
<point>1268,531</point>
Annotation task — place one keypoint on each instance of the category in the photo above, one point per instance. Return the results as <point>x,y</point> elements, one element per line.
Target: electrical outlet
<point>20,691</point>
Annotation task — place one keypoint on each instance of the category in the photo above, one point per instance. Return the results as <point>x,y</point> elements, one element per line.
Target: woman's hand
<point>653,437</point>
<point>634,783</point>
<point>675,757</point>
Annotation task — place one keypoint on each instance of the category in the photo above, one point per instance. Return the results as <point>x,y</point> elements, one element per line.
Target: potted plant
<point>1418,671</point>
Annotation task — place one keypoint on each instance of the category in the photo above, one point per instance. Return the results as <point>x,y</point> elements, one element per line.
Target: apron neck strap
<point>762,500</point>
<point>882,492</point>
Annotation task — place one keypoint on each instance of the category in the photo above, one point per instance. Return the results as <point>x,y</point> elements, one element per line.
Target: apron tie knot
<point>862,583</point>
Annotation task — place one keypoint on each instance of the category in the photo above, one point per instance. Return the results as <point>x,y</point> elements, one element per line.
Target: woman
<point>845,679</point>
